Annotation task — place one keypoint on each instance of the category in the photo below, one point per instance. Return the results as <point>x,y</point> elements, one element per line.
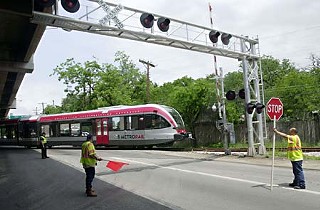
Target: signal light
<point>163,24</point>
<point>225,38</point>
<point>70,5</point>
<point>146,20</point>
<point>45,3</point>
<point>259,108</point>
<point>231,95</point>
<point>213,36</point>
<point>242,94</point>
<point>250,107</point>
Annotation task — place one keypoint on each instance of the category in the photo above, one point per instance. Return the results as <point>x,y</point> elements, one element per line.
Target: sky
<point>287,29</point>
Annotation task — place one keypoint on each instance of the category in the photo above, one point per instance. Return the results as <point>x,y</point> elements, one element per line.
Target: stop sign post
<point>274,109</point>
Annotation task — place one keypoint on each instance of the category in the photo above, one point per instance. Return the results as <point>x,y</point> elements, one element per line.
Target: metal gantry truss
<point>181,35</point>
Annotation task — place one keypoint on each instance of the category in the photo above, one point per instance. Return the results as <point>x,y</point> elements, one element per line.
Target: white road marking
<point>213,175</point>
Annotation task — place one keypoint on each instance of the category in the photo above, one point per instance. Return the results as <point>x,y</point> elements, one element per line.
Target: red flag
<point>115,166</point>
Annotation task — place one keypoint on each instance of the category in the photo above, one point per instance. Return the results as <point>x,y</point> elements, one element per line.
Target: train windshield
<point>176,116</point>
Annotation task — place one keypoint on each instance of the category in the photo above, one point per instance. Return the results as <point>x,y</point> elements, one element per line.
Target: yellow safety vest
<point>86,151</point>
<point>43,139</point>
<point>294,150</point>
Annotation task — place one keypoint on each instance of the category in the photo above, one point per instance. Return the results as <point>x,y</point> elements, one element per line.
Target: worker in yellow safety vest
<point>295,155</point>
<point>43,145</point>
<point>89,161</point>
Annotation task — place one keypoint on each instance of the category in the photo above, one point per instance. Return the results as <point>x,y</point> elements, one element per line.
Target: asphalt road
<point>152,180</point>
<point>28,182</point>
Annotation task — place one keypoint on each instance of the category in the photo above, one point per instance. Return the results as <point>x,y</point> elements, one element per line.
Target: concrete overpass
<point>19,38</point>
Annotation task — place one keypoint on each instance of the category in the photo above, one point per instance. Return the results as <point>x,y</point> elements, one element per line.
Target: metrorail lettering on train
<point>128,136</point>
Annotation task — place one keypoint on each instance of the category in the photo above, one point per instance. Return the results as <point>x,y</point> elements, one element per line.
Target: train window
<point>99,127</point>
<point>116,123</point>
<point>153,121</point>
<point>46,129</point>
<point>54,129</point>
<point>127,123</point>
<point>28,130</point>
<point>135,122</point>
<point>64,130</point>
<point>86,128</point>
<point>75,129</point>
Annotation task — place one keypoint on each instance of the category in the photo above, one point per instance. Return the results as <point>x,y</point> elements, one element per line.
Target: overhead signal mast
<point>172,33</point>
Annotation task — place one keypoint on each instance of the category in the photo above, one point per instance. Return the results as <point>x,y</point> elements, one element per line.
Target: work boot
<point>91,193</point>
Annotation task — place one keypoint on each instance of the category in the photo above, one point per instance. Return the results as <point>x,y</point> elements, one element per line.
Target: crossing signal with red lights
<point>163,24</point>
<point>147,21</point>
<point>213,36</point>
<point>71,6</point>
<point>242,94</point>
<point>231,95</point>
<point>259,108</point>
<point>250,108</point>
<point>225,38</point>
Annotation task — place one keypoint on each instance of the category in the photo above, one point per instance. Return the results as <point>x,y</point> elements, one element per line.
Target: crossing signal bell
<point>71,6</point>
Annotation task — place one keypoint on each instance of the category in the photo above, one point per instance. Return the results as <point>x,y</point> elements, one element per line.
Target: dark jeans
<point>298,173</point>
<point>44,151</point>
<point>90,172</point>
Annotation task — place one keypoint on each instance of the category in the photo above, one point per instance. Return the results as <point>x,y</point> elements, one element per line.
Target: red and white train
<point>131,126</point>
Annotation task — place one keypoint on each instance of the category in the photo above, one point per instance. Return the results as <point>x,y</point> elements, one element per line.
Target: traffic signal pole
<point>252,94</point>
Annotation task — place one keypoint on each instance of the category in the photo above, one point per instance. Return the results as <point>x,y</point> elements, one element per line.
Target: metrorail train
<point>129,126</point>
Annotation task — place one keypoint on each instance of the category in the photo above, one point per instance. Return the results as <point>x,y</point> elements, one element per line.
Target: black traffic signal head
<point>213,36</point>
<point>163,24</point>
<point>225,38</point>
<point>147,20</point>
<point>45,3</point>
<point>259,108</point>
<point>231,95</point>
<point>70,5</point>
<point>250,108</point>
<point>242,94</point>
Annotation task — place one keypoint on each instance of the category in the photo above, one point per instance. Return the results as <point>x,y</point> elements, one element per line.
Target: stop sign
<point>274,108</point>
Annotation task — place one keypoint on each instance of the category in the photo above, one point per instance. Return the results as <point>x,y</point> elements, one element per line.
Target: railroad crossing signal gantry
<point>138,26</point>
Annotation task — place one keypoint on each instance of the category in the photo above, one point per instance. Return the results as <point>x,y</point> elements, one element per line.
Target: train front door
<point>102,131</point>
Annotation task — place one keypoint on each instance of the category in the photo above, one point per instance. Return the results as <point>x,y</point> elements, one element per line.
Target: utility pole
<point>42,104</point>
<point>147,64</point>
